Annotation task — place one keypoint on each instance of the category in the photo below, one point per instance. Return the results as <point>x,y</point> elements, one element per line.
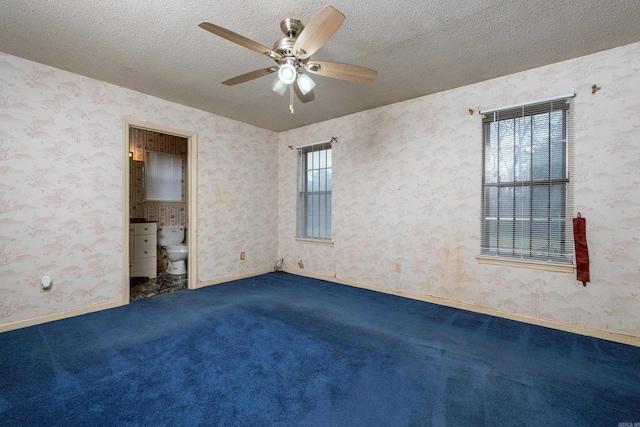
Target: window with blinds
<point>527,190</point>
<point>314,198</point>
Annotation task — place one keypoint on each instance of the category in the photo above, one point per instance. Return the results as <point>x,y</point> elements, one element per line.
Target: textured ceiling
<point>418,47</point>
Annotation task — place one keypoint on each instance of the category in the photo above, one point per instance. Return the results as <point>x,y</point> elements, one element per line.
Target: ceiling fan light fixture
<point>287,73</point>
<point>279,87</point>
<point>305,84</point>
<point>292,55</point>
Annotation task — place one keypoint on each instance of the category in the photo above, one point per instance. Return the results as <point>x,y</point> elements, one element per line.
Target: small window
<point>526,185</point>
<point>314,198</point>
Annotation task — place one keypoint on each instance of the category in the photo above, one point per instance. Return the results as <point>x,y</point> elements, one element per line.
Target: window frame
<point>494,252</point>
<point>319,195</point>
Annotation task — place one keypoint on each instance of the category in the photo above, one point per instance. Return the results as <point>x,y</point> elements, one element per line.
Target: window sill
<point>315,242</point>
<point>536,265</point>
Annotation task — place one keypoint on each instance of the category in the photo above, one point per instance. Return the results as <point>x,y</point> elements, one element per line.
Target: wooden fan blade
<point>238,39</point>
<point>303,98</point>
<point>319,30</point>
<point>340,71</point>
<point>249,76</point>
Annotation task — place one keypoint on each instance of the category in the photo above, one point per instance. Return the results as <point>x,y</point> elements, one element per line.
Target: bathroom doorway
<point>139,140</point>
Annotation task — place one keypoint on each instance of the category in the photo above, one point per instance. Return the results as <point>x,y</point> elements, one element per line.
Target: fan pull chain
<point>291,97</point>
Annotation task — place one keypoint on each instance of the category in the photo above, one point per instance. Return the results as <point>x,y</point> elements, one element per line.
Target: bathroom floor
<point>162,284</point>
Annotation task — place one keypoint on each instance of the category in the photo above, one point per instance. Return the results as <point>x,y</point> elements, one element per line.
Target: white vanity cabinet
<point>143,242</point>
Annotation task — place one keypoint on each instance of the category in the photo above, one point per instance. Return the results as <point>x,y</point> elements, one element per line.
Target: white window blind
<point>527,202</point>
<point>314,196</point>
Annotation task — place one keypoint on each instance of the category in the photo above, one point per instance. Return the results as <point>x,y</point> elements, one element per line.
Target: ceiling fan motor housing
<point>284,46</point>
<point>291,29</point>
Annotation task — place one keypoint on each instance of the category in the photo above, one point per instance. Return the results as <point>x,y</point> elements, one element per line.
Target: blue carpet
<point>283,350</point>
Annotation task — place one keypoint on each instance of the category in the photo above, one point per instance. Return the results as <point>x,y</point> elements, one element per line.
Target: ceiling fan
<point>292,55</point>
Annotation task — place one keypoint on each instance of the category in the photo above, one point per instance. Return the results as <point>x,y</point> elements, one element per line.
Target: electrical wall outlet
<point>242,256</point>
<point>300,264</point>
<point>398,267</point>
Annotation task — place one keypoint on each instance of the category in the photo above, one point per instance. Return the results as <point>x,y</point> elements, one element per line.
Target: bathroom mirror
<point>163,177</point>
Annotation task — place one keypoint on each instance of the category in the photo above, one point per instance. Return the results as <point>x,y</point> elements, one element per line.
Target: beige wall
<point>407,189</point>
<point>62,189</point>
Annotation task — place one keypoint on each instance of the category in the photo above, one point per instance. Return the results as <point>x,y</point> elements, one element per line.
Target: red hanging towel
<point>582,250</point>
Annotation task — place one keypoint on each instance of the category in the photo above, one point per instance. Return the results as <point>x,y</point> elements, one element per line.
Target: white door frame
<point>192,147</point>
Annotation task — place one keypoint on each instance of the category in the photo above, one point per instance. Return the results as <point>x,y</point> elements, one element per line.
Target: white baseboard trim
<point>225,279</point>
<point>60,315</point>
<point>595,333</point>
<point>107,305</point>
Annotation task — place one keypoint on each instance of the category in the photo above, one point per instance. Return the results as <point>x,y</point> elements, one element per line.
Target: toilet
<point>171,239</point>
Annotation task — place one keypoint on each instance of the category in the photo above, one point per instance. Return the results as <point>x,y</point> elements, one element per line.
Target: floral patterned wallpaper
<point>406,189</point>
<point>61,189</point>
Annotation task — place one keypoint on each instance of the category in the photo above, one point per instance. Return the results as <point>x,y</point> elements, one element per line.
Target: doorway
<point>139,137</point>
